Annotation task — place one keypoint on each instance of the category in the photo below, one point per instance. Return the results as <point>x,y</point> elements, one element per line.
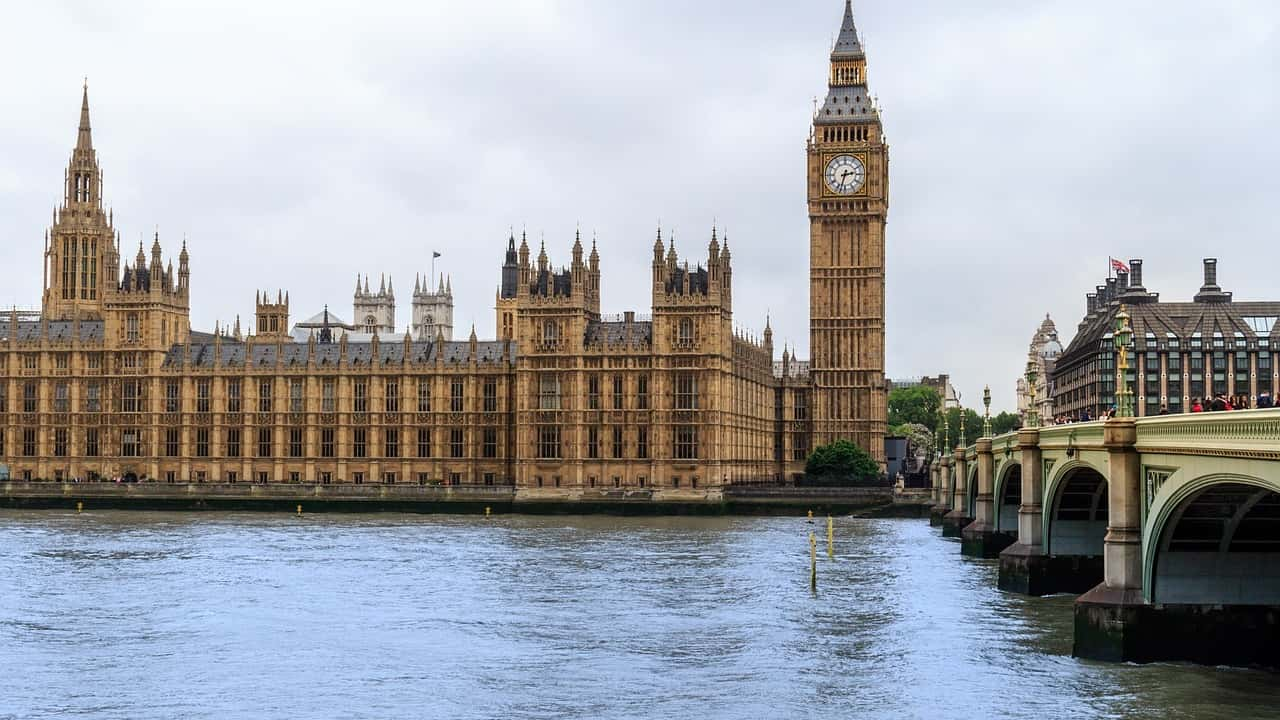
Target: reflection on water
<point>127,615</point>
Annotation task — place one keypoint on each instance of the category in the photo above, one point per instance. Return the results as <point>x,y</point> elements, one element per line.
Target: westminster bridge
<point>1169,526</point>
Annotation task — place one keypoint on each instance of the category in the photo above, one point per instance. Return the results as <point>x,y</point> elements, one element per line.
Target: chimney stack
<point>1091,301</point>
<point>1122,281</point>
<point>1211,292</point>
<point>1135,273</point>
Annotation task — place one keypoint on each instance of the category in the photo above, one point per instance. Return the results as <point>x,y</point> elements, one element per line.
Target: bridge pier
<point>979,538</point>
<point>1113,620</point>
<point>955,521</point>
<point>942,504</point>
<point>1024,568</point>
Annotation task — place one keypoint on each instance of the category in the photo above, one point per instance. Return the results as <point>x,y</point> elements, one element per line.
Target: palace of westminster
<point>108,380</point>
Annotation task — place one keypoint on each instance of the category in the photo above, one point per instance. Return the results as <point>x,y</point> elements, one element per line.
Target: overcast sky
<point>298,144</point>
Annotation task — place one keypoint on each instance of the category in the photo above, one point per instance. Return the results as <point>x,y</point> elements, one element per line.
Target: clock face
<point>845,174</point>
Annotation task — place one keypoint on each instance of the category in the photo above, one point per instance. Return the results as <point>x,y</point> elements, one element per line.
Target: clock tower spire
<point>848,194</point>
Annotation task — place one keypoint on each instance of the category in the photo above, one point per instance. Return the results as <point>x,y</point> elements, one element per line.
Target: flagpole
<point>432,276</point>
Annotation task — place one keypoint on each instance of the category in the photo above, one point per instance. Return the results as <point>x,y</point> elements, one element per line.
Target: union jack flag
<point>1118,266</point>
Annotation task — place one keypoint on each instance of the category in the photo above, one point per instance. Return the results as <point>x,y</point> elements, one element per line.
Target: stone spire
<point>847,44</point>
<point>84,140</point>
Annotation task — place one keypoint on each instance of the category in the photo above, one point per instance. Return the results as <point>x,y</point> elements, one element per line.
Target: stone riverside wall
<point>432,498</point>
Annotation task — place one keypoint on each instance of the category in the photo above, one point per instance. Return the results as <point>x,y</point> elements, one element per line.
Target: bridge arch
<point>1215,540</point>
<point>1008,497</point>
<point>1076,510</point>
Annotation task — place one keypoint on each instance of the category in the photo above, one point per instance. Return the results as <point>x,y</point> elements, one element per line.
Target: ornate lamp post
<point>986,411</point>
<point>1123,336</point>
<point>946,432</point>
<point>962,433</point>
<point>1033,372</point>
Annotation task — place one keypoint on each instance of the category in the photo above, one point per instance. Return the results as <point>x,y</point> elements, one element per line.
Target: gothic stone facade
<point>108,379</point>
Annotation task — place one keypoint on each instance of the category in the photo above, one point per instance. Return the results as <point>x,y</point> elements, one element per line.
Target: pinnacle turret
<point>847,44</point>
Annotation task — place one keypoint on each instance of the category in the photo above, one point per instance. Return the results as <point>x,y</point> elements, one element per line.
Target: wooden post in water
<point>79,506</point>
<point>831,537</point>
<point>813,562</point>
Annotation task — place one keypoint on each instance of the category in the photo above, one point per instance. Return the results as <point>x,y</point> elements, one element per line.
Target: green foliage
<point>842,460</point>
<point>972,426</point>
<point>1005,422</point>
<point>920,439</point>
<point>914,405</point>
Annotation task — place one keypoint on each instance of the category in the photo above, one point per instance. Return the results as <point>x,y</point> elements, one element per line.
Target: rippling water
<point>128,615</point>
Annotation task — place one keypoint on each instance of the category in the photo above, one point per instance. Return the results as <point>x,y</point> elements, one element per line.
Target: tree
<point>915,405</point>
<point>972,426</point>
<point>1005,422</point>
<point>920,439</point>
<point>844,462</point>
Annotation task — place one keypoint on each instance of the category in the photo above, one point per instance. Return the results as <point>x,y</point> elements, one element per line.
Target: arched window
<point>550,332</point>
<point>370,324</point>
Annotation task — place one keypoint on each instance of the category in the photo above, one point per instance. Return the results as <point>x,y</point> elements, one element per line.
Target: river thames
<point>159,615</point>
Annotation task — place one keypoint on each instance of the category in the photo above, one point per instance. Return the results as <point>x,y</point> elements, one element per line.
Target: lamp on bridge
<point>946,432</point>
<point>986,411</point>
<point>1033,416</point>
<point>962,437</point>
<point>1123,336</point>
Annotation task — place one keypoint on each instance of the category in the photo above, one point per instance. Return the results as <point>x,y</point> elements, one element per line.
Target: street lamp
<point>1033,372</point>
<point>986,412</point>
<point>1123,336</point>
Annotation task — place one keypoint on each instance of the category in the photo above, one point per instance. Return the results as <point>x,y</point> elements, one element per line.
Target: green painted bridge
<point>1169,526</point>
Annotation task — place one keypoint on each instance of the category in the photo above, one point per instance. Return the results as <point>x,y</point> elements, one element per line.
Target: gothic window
<point>60,442</point>
<point>642,392</point>
<point>686,396</point>
<point>392,400</point>
<point>264,442</point>
<point>455,442</point>
<point>91,442</point>
<point>549,442</point>
<point>490,395</point>
<point>424,395</point>
<point>391,443</point>
<point>642,443</point>
<point>549,392</point>
<point>370,324</point>
<point>29,442</point>
<point>131,327</point>
<point>424,442</point>
<point>295,442</point>
<point>360,396</point>
<point>61,398</point>
<point>233,396</point>
<point>455,396</point>
<point>593,392</point>
<point>490,442</point>
<point>171,442</point>
<point>202,396</point>
<point>618,445</point>
<point>131,396</point>
<point>359,443</point>
<point>131,443</point>
<point>326,443</point>
<point>550,332</point>
<point>684,334</point>
<point>233,442</point>
<point>264,396</point>
<point>685,442</point>
<point>618,401</point>
<point>172,401</point>
<point>202,442</point>
<point>593,443</point>
<point>328,395</point>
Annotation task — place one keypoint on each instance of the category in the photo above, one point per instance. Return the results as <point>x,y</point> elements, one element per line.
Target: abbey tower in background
<point>848,191</point>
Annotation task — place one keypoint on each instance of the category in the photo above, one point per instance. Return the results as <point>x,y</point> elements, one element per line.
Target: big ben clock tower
<point>848,191</point>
